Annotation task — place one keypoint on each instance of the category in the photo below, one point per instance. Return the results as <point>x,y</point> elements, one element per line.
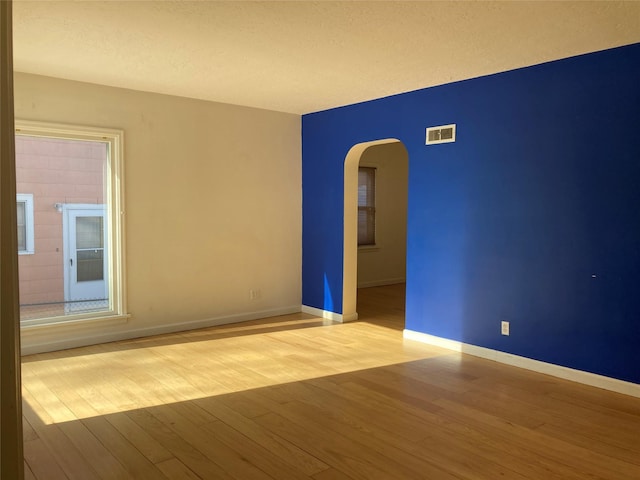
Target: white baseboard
<point>587,378</point>
<point>381,283</point>
<point>335,317</point>
<point>35,340</point>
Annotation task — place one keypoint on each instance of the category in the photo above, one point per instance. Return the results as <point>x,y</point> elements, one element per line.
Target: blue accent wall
<point>532,216</point>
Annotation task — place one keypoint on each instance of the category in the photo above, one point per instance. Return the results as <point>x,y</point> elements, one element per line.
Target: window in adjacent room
<point>75,176</point>
<point>366,206</point>
<point>24,202</point>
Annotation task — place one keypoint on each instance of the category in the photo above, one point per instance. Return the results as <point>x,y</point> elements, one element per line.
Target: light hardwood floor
<point>289,397</point>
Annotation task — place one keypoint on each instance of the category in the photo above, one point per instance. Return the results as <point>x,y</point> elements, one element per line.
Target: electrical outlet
<point>505,328</point>
<point>254,294</point>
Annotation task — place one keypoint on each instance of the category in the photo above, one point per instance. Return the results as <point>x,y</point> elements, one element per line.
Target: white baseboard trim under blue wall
<point>586,378</point>
<point>335,317</point>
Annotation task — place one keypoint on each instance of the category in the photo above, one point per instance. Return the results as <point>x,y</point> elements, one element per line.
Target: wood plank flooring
<point>293,398</point>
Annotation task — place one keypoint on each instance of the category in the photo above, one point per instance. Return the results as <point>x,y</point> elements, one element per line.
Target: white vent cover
<point>441,134</point>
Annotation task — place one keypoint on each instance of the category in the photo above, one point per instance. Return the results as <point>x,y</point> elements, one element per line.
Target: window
<point>24,202</point>
<point>77,272</point>
<point>366,206</point>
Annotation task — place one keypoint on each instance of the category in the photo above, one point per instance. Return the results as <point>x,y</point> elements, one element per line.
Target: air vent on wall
<point>441,134</point>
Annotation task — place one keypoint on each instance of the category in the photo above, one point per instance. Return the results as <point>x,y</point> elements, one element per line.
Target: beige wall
<point>213,205</point>
<point>385,264</point>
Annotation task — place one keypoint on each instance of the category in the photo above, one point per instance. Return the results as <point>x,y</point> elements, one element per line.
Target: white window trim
<point>115,201</point>
<point>27,199</point>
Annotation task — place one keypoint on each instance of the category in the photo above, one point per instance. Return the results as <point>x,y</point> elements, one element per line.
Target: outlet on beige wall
<point>385,263</point>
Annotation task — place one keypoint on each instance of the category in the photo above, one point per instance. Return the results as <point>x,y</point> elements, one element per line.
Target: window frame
<point>114,188</point>
<point>27,199</point>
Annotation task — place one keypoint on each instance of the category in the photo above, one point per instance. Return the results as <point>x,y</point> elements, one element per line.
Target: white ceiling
<point>303,57</point>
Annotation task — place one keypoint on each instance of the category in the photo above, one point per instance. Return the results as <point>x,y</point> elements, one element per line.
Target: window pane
<point>366,206</point>
<point>366,187</point>
<point>72,230</point>
<point>90,265</point>
<point>22,227</point>
<point>89,232</point>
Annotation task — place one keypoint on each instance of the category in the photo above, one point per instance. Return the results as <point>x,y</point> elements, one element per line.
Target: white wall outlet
<point>254,294</point>
<point>505,328</point>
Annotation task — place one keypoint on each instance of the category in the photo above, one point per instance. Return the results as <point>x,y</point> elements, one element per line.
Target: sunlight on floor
<point>123,376</point>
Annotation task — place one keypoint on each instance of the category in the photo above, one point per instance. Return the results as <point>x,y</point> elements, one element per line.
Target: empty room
<point>323,240</point>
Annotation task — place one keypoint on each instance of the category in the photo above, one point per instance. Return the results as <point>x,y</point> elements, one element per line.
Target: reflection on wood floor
<point>290,397</point>
<point>382,305</point>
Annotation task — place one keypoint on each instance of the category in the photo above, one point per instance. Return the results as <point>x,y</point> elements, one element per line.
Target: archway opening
<point>383,262</point>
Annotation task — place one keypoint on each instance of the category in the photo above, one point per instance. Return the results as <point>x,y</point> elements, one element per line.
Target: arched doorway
<point>350,260</point>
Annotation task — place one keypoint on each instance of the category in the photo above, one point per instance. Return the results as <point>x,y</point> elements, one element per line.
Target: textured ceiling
<point>302,57</point>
